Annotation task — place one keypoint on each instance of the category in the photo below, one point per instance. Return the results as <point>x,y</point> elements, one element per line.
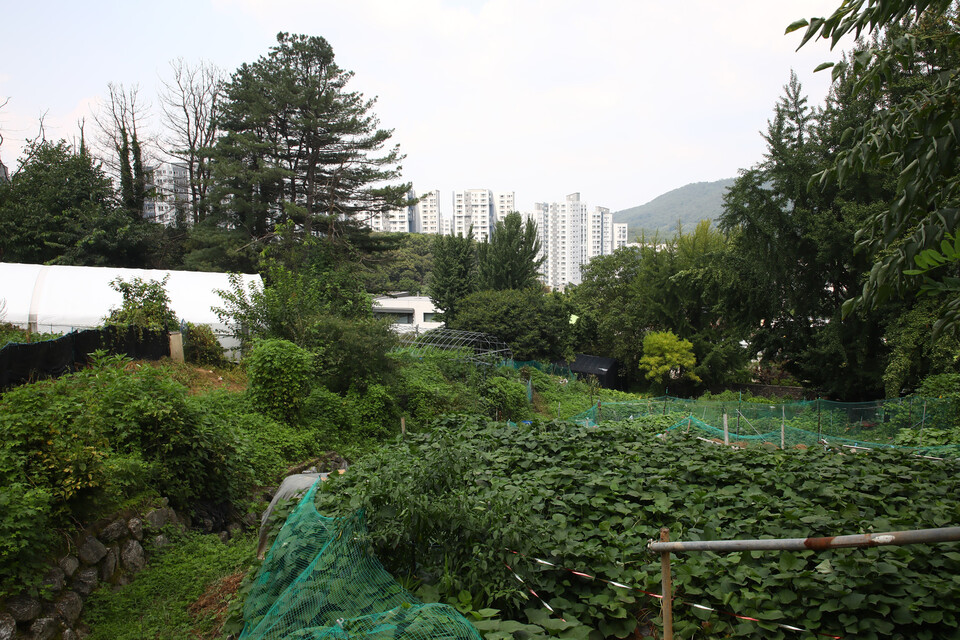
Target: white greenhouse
<point>60,299</point>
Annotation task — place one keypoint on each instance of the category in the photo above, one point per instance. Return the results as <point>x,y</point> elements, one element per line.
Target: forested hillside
<point>686,205</point>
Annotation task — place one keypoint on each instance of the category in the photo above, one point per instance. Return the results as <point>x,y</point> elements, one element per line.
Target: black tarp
<point>21,363</point>
<point>605,369</point>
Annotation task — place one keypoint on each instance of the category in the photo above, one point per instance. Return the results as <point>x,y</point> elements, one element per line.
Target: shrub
<point>145,304</point>
<point>88,441</point>
<point>376,411</point>
<point>279,374</point>
<point>200,345</point>
<point>506,399</point>
<point>329,411</point>
<point>351,353</point>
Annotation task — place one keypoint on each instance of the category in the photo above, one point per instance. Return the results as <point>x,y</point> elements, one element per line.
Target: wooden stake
<point>726,431</point>
<point>783,427</point>
<point>667,583</point>
<point>403,426</point>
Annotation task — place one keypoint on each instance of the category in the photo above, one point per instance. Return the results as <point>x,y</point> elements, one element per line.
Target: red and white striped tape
<point>620,585</point>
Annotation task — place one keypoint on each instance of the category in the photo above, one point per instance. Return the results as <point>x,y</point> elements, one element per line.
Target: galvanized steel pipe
<point>919,536</point>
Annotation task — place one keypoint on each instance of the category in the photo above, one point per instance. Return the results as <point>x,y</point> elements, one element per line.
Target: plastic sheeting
<point>60,299</point>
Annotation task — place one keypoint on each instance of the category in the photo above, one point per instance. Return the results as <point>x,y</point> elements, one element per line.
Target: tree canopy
<point>912,70</point>
<point>299,146</point>
<point>512,257</point>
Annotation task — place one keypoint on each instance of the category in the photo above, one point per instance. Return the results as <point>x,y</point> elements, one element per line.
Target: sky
<point>619,100</point>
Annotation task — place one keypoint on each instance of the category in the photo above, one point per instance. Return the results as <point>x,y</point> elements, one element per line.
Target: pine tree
<point>511,259</point>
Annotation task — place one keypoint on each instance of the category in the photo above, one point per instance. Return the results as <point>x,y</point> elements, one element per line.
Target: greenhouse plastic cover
<point>59,299</point>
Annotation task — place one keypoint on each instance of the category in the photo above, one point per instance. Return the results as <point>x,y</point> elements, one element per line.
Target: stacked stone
<point>109,553</point>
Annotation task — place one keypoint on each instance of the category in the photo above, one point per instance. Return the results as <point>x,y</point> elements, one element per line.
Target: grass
<point>181,594</point>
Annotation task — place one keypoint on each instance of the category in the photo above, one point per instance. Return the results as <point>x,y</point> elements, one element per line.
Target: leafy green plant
<point>200,345</point>
<point>667,357</point>
<point>145,304</point>
<point>279,374</point>
<point>449,505</point>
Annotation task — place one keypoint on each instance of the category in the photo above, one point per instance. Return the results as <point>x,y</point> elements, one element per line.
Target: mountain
<point>689,204</point>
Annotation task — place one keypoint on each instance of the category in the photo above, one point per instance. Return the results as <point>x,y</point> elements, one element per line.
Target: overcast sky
<point>621,100</point>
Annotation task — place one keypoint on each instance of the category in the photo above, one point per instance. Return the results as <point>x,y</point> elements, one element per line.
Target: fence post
<point>819,425</point>
<point>739,412</point>
<point>403,426</point>
<point>726,430</point>
<point>783,427</point>
<point>922,421</point>
<point>667,600</point>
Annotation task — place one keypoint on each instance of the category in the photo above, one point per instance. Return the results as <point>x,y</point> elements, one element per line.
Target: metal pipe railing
<point>920,536</point>
<point>891,538</point>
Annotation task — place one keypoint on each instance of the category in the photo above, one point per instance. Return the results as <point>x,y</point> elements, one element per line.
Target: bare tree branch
<point>190,102</point>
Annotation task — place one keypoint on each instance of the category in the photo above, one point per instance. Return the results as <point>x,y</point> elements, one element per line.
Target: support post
<point>819,425</point>
<point>667,601</point>
<point>403,426</point>
<point>923,419</point>
<point>599,412</point>
<point>783,427</point>
<point>726,430</point>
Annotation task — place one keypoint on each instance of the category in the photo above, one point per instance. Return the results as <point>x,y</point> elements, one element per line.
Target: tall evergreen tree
<point>913,74</point>
<point>454,272</point>
<point>511,259</point>
<point>298,146</point>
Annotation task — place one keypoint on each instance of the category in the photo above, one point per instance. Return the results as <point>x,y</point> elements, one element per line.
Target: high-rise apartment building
<point>169,183</point>
<point>427,219</point>
<point>503,204</point>
<point>620,235</point>
<point>480,209</point>
<point>402,220</point>
<point>571,234</point>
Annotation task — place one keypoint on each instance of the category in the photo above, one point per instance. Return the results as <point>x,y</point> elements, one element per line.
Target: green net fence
<point>321,579</point>
<point>545,367</point>
<point>923,424</point>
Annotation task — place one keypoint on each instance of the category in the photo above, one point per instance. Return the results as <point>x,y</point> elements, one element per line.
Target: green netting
<point>322,580</point>
<point>552,369</point>
<point>791,437</point>
<point>896,422</point>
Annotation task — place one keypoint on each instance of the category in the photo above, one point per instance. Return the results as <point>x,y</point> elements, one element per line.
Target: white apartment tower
<point>400,220</point>
<point>428,214</point>
<point>571,235</point>
<point>620,235</point>
<point>503,204</point>
<point>170,184</point>
<point>479,208</point>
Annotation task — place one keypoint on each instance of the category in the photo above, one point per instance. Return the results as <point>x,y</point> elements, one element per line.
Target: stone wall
<point>110,552</point>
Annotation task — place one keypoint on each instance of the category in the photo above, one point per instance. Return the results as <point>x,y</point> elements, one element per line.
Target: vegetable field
<point>448,509</point>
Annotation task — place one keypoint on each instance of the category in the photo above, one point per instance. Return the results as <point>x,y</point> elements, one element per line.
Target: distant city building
<point>571,234</point>
<point>428,214</point>
<point>621,236</point>
<point>169,183</point>
<point>479,209</point>
<point>503,205</point>
<point>402,220</point>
